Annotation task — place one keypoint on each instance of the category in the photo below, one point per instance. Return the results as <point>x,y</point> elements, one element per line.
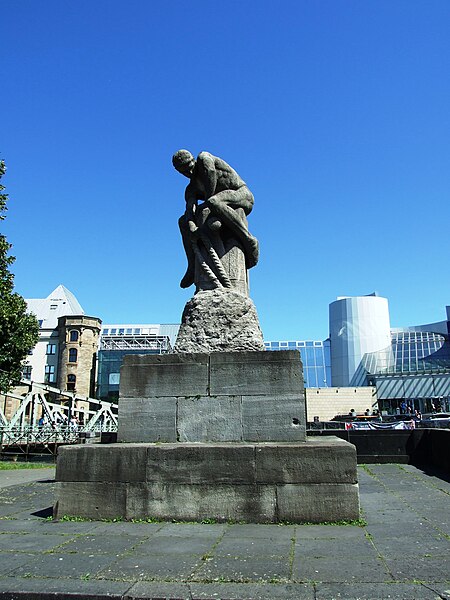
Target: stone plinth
<point>211,436</point>
<point>217,397</point>
<point>311,481</point>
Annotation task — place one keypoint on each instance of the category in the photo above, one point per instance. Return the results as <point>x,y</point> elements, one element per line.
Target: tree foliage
<point>19,331</point>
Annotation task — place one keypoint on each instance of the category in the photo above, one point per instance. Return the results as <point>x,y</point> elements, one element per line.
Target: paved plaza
<point>402,550</point>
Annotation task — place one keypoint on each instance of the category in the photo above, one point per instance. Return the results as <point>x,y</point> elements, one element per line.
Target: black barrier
<point>417,446</point>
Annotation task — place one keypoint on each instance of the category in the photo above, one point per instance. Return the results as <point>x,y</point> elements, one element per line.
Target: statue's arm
<point>191,198</point>
<point>207,169</point>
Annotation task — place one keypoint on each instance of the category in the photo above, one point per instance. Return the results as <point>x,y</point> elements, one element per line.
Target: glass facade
<point>316,360</point>
<point>411,352</point>
<point>116,341</point>
<point>108,379</point>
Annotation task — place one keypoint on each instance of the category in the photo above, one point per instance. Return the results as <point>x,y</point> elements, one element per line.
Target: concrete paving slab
<point>145,590</point>
<point>401,553</point>
<point>64,566</point>
<point>240,591</point>
<point>420,568</point>
<point>101,544</point>
<point>375,591</point>
<point>30,542</point>
<point>238,569</point>
<point>336,569</point>
<point>9,561</point>
<point>33,588</point>
<point>20,476</point>
<point>321,548</point>
<point>246,547</point>
<point>137,567</point>
<point>250,530</point>
<point>175,545</point>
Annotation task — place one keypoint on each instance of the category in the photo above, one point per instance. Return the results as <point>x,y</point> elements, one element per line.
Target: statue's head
<point>184,162</point>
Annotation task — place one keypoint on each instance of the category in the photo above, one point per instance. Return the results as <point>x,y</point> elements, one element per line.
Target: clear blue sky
<point>336,113</point>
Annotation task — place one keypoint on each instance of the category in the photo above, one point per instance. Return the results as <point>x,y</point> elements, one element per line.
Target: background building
<point>316,360</point>
<point>409,364</point>
<point>398,364</point>
<point>49,357</point>
<point>357,326</point>
<point>120,339</point>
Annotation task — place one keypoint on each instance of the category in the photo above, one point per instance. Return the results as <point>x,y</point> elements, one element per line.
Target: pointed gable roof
<point>61,302</point>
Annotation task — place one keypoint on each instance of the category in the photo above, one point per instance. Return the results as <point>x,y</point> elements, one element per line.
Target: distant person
<point>368,412</point>
<point>352,413</point>
<point>418,415</point>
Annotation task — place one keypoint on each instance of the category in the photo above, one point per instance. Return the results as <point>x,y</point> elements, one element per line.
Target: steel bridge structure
<point>43,420</point>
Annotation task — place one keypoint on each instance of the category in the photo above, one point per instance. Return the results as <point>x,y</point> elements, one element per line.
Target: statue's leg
<point>223,205</point>
<point>188,278</point>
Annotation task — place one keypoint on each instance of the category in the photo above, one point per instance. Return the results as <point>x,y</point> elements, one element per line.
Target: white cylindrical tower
<point>358,325</point>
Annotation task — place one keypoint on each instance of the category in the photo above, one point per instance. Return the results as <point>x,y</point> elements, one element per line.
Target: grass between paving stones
<point>11,466</point>
<point>361,522</point>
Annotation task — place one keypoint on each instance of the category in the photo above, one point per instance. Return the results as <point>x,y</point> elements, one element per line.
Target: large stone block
<point>201,464</point>
<point>209,419</point>
<point>268,418</point>
<point>90,499</point>
<point>147,420</point>
<point>256,373</point>
<point>198,502</point>
<point>102,463</point>
<point>146,376</point>
<point>317,502</point>
<point>319,460</point>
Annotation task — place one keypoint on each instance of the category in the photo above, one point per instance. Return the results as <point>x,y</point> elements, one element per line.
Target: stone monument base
<point>218,436</point>
<point>311,481</point>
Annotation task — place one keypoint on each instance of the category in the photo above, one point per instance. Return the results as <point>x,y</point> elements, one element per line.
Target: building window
<point>51,348</point>
<point>74,335</point>
<point>49,373</point>
<point>26,371</point>
<point>53,306</point>
<point>71,382</point>
<point>73,355</point>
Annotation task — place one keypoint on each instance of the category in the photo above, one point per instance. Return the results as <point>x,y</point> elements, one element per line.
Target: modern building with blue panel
<point>315,358</point>
<point>411,364</point>
<point>116,341</point>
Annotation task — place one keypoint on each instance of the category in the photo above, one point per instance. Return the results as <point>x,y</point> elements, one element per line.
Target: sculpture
<point>210,230</point>
<point>220,250</point>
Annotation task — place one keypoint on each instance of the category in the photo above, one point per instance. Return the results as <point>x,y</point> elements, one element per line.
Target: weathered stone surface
<point>147,420</point>
<point>251,482</point>
<point>147,375</point>
<point>318,502</point>
<point>319,460</point>
<point>256,373</point>
<point>219,321</point>
<point>252,396</point>
<point>268,418</point>
<point>198,502</point>
<point>101,462</point>
<point>91,499</point>
<point>209,419</point>
<point>201,463</point>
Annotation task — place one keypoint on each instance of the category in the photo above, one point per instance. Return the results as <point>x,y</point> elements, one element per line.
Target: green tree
<point>19,331</point>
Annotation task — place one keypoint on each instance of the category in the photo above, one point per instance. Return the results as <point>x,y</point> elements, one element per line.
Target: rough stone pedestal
<point>211,436</point>
<point>311,481</point>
